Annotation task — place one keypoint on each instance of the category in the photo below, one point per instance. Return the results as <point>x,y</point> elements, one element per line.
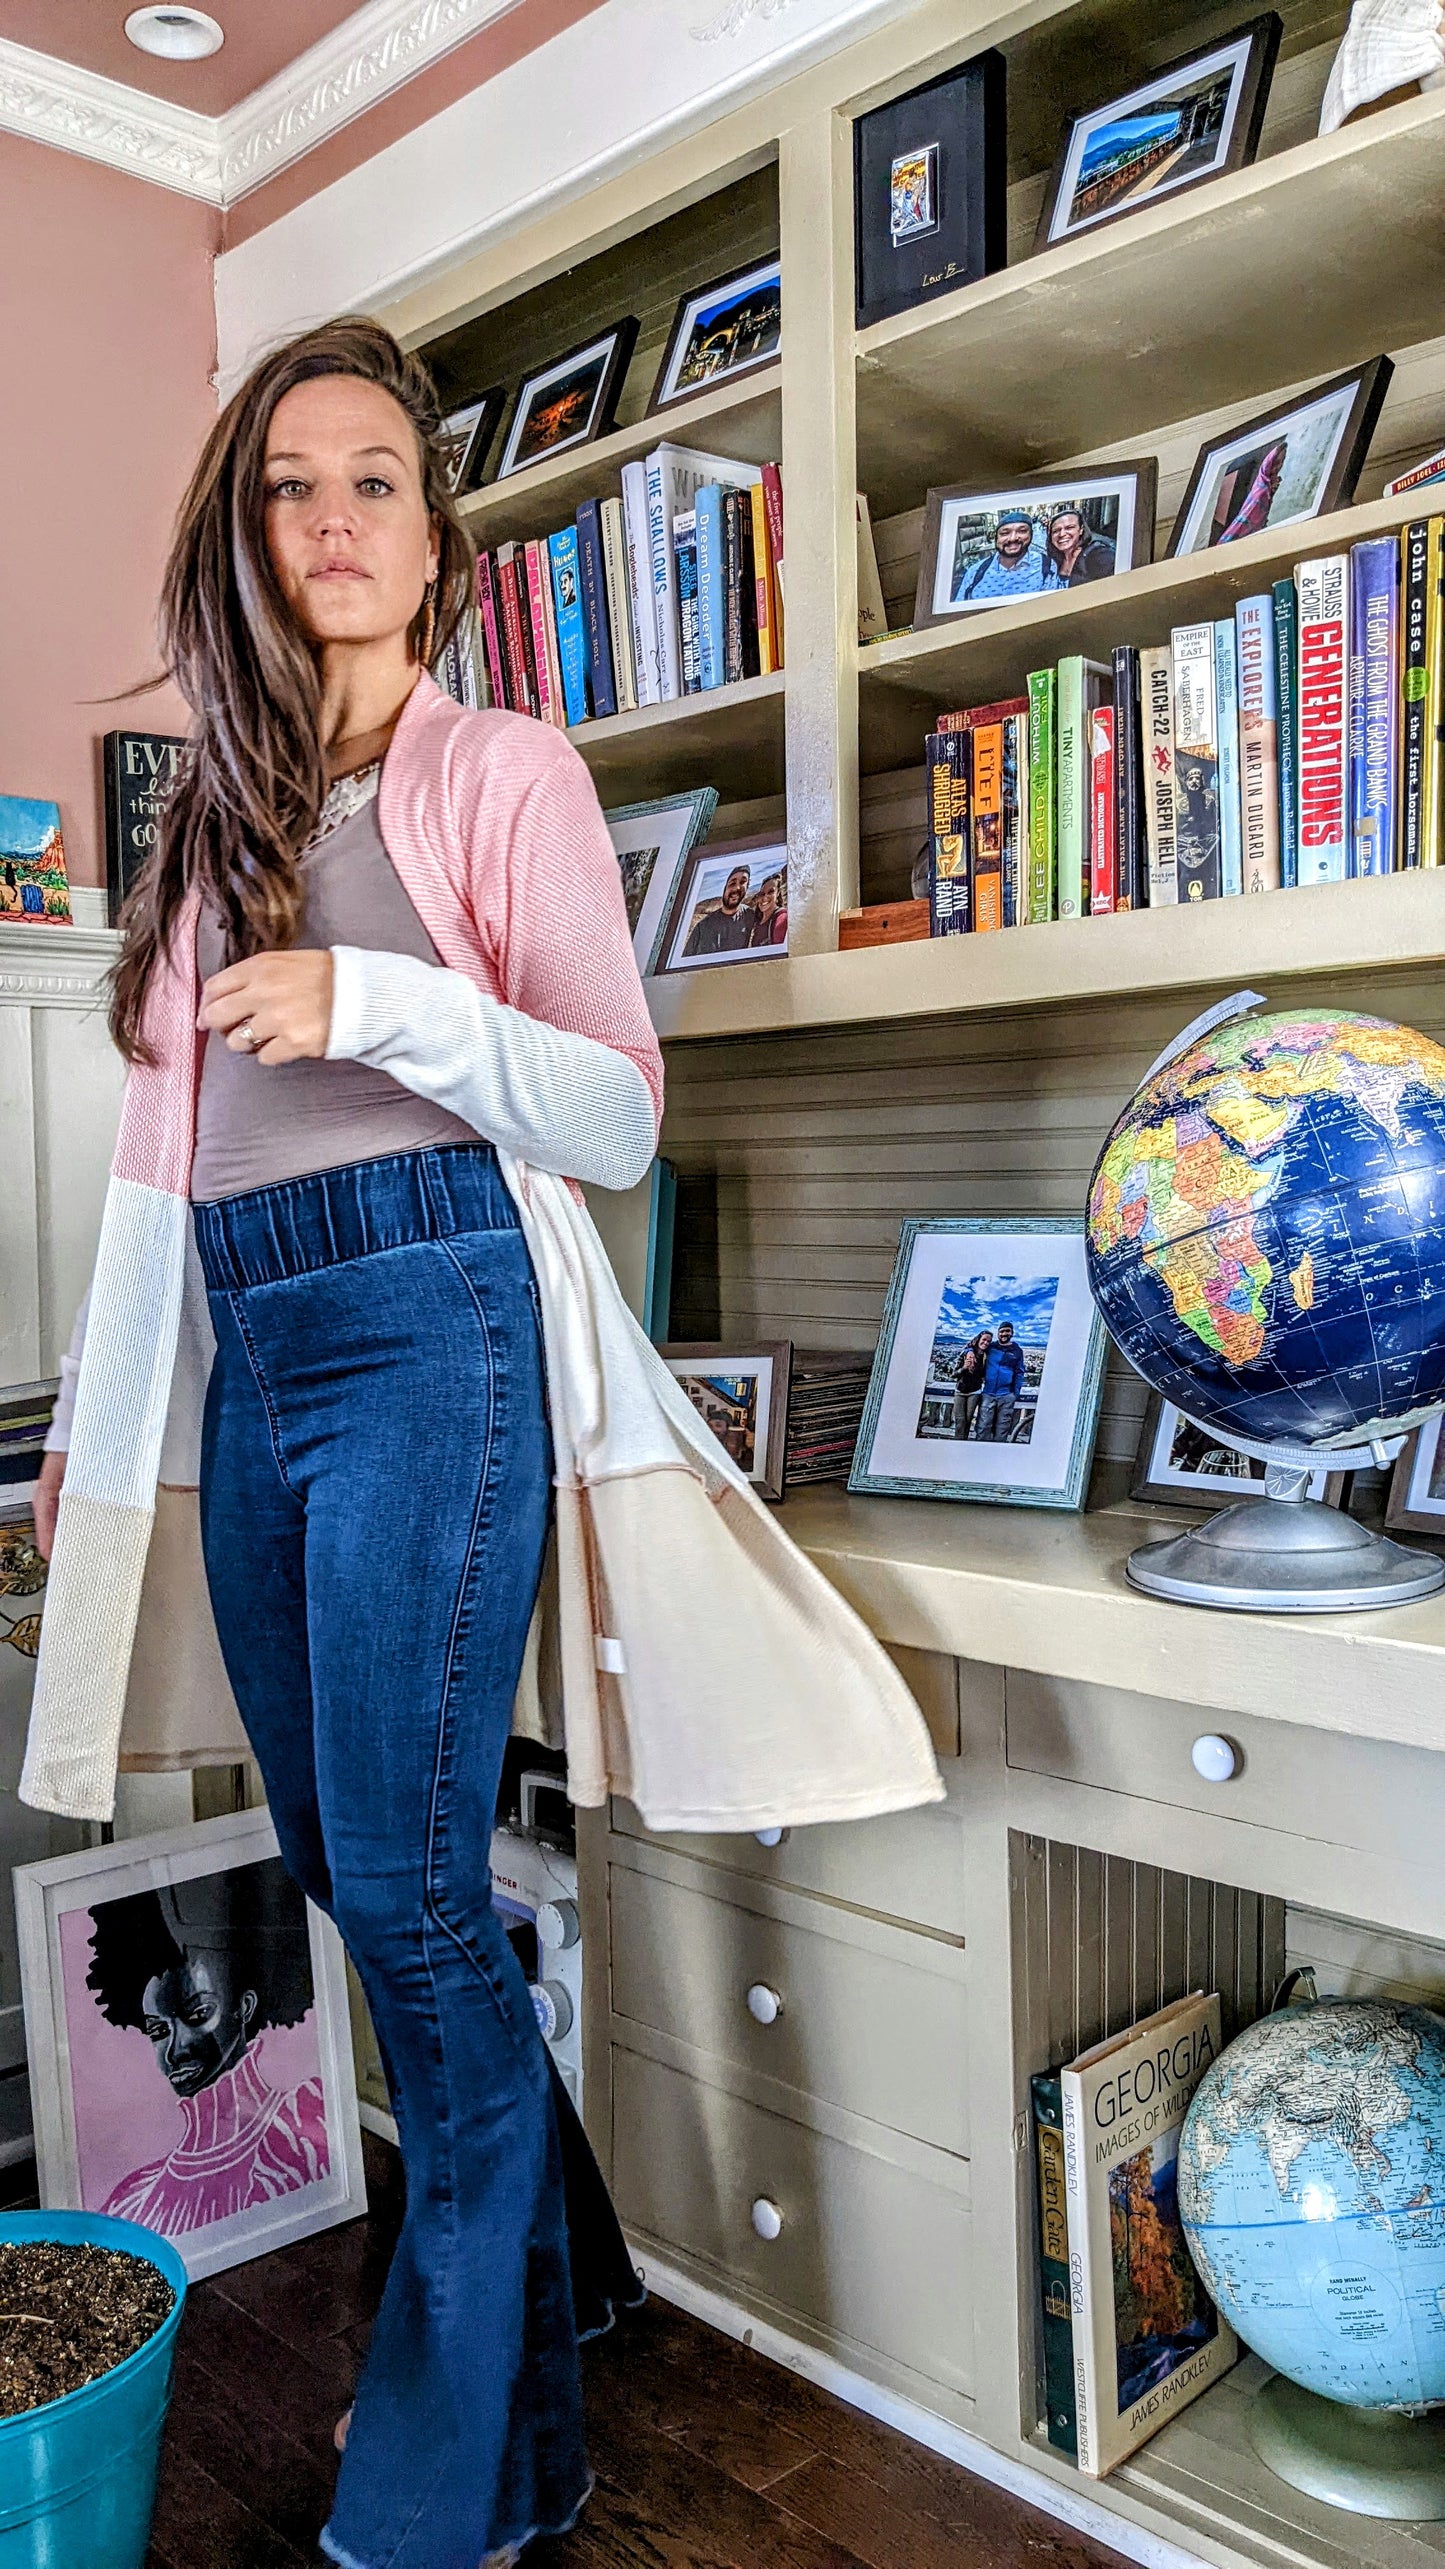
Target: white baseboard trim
<point>374,2120</point>
<point>1065,2505</point>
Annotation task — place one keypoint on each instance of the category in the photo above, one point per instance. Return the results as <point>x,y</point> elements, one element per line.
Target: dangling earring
<point>428,624</point>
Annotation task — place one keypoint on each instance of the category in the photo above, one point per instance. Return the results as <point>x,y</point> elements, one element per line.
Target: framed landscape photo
<point>653,842</point>
<point>1191,122</point>
<point>569,402</point>
<point>930,173</point>
<point>990,1366</point>
<point>728,328</point>
<point>1047,532</point>
<point>190,2051</point>
<point>1416,1504</point>
<point>1180,1464</point>
<point>466,439</point>
<point>1299,460</point>
<point>730,906</point>
<point>742,1393</point>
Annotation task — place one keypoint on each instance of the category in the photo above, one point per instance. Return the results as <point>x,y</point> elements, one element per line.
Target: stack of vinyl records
<point>25,1414</point>
<point>825,1411</point>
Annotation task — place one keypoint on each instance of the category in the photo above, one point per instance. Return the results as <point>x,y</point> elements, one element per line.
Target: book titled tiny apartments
<point>1147,2337</point>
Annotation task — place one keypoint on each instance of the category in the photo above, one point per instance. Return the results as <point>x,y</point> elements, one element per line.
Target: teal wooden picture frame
<point>682,820</point>
<point>1081,1363</point>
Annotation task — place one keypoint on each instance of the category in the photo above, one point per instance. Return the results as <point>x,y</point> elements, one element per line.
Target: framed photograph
<point>466,439</point>
<point>727,328</point>
<point>930,173</point>
<point>1180,1464</point>
<point>1297,461</point>
<point>1416,1504</point>
<point>1049,531</point>
<point>653,843</point>
<point>571,401</point>
<point>730,906</point>
<point>743,1395</point>
<point>1190,123</point>
<point>990,1365</point>
<point>190,2052</point>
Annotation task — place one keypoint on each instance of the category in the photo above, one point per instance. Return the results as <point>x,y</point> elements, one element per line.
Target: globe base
<point>1371,2461</point>
<point>1285,1557</point>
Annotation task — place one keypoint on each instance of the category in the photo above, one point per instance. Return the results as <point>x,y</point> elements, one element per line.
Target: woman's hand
<point>47,1502</point>
<point>286,997</point>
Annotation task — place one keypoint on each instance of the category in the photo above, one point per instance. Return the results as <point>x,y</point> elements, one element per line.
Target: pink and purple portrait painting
<point>195,2061</point>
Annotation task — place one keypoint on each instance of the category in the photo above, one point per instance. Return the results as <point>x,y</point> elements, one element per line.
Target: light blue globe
<point>1312,2193</point>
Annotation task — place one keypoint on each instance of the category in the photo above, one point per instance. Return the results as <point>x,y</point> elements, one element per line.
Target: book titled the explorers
<point>1147,2337</point>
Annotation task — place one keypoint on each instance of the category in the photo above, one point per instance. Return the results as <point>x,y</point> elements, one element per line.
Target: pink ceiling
<point>262,37</point>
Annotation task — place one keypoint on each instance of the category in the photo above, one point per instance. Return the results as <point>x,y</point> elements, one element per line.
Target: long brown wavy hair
<point>252,778</point>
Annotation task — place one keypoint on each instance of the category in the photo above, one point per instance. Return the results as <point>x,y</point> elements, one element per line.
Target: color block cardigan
<point>796,1715</point>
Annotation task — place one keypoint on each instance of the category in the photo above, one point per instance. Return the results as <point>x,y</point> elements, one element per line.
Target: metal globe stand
<point>1286,1553</point>
<point>1372,2461</point>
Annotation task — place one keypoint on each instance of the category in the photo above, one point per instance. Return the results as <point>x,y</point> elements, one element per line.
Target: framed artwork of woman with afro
<point>190,2060</point>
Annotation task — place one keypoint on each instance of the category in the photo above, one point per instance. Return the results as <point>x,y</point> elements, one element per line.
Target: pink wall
<point>108,323</point>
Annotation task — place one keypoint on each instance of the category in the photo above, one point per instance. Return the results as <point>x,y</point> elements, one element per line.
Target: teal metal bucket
<point>78,2477</point>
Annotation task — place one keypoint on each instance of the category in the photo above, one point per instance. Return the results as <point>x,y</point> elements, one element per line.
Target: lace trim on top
<point>344,797</point>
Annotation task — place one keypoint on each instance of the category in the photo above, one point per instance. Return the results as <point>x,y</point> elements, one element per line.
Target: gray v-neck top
<point>258,1122</point>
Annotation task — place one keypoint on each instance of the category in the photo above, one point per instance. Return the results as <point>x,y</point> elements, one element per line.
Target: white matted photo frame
<point>466,438</point>
<point>190,2051</point>
<point>990,1365</point>
<point>653,842</point>
<point>1191,122</point>
<point>1297,461</point>
<point>742,1393</point>
<point>569,402</point>
<point>1042,533</point>
<point>730,906</point>
<point>1416,1503</point>
<point>1181,1464</point>
<point>728,328</point>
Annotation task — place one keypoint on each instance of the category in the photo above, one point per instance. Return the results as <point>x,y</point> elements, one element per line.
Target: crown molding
<point>220,158</point>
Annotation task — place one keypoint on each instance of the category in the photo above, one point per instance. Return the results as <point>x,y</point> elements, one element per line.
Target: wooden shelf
<point>1298,266</point>
<point>731,737</point>
<point>743,420</point>
<point>1044,1590</point>
<point>1329,927</point>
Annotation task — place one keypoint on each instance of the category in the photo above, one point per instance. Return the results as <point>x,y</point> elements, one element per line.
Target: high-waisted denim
<point>375,1488</point>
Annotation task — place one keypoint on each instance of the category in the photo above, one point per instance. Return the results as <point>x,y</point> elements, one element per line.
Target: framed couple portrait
<point>730,905</point>
<point>1049,531</point>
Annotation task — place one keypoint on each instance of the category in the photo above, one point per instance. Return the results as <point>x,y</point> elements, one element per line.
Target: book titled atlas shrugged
<point>1147,2337</point>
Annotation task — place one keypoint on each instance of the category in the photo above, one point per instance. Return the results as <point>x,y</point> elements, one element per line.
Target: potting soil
<point>68,2313</point>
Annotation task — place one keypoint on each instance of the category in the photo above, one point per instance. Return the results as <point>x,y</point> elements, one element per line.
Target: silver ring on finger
<point>249,1036</point>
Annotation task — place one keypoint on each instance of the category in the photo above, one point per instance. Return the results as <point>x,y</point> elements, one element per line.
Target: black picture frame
<point>957,124</point>
<point>1138,473</point>
<point>470,432</point>
<point>665,392</point>
<point>1370,382</point>
<point>593,371</point>
<point>764,852</point>
<point>1254,44</point>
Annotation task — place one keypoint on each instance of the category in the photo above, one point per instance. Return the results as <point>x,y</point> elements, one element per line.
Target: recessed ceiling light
<point>177,34</point>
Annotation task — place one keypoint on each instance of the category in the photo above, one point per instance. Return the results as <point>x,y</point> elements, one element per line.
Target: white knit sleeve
<point>559,1100</point>
<point>57,1435</point>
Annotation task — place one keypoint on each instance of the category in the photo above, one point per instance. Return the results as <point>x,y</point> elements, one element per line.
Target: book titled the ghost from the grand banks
<point>1147,2337</point>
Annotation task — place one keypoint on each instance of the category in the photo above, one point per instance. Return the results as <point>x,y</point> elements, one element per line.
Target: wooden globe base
<point>1370,2461</point>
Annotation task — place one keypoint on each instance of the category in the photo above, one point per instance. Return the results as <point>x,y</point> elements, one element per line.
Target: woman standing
<point>375,1472</point>
<point>968,1382</point>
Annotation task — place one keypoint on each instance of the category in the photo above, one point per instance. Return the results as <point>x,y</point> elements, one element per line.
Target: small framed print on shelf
<point>466,439</point>
<point>990,1366</point>
<point>742,1393</point>
<point>569,402</point>
<point>728,328</point>
<point>1300,460</point>
<point>1416,1504</point>
<point>1047,531</point>
<point>1180,1464</point>
<point>929,179</point>
<point>731,905</point>
<point>1191,122</point>
<point>653,843</point>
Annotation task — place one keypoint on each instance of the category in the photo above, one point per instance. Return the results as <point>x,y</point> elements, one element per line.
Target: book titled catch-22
<point>1147,2337</point>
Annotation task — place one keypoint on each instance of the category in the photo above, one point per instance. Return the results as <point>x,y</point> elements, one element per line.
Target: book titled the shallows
<point>1147,2337</point>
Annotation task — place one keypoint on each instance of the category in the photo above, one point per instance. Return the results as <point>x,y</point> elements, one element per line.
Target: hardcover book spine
<point>639,580</point>
<point>617,605</point>
<point>684,553</point>
<point>1042,848</point>
<point>732,588</point>
<point>594,610</point>
<point>1432,852</point>
<point>711,584</point>
<point>664,595</point>
<point>514,629</point>
<point>1086,2436</point>
<point>747,582</point>
<point>1156,698</point>
<point>1414,688</point>
<point>1431,470</point>
<point>1056,2326</point>
<point>571,630</point>
<point>1286,688</point>
<point>548,587</point>
<point>1196,764</point>
<point>1226,717</point>
<point>1374,705</point>
<point>985,828</point>
<point>773,502</point>
<point>1103,869</point>
<point>545,706</point>
<point>1130,854</point>
<point>947,758</point>
<point>1323,757</point>
<point>488,603</point>
<point>1073,789</point>
<point>1015,818</point>
<point>764,584</point>
<point>1258,744</point>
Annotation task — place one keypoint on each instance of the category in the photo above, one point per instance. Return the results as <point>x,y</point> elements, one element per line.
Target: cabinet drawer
<point>867,2250</point>
<point>879,2034</point>
<point>1371,1794</point>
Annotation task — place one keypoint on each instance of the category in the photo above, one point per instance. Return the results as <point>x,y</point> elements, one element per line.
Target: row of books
<point>26,1410</point>
<point>825,1412</point>
<point>674,588</point>
<point>1297,740</point>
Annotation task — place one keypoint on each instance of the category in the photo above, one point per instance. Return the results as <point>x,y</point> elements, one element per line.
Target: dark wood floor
<point>706,2455</point>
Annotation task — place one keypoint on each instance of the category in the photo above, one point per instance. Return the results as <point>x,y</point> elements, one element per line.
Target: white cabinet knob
<point>1215,1758</point>
<point>767,2219</point>
<point>558,1926</point>
<point>552,2006</point>
<point>770,1837</point>
<point>764,2005</point>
